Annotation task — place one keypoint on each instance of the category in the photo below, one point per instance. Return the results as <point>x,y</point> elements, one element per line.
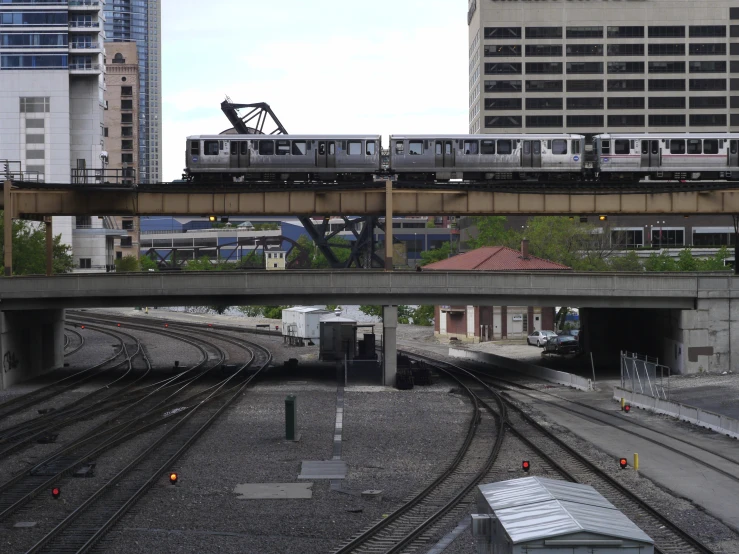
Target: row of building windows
<point>597,120</point>
<point>40,61</point>
<point>33,18</point>
<point>617,103</point>
<point>653,31</point>
<point>556,50</point>
<point>612,85</point>
<point>41,40</point>
<point>533,68</point>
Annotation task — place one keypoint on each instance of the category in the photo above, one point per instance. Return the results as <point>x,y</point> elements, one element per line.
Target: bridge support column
<point>389,343</point>
<point>32,343</point>
<point>709,336</point>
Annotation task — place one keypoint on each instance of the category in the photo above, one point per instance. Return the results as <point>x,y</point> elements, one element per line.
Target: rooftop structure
<point>496,258</point>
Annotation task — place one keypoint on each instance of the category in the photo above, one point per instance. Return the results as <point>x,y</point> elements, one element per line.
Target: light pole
<point>660,223</point>
<point>415,248</point>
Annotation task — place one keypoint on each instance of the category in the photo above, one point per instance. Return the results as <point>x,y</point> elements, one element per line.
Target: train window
<point>645,147</point>
<point>399,149</point>
<point>677,146</point>
<point>632,144</point>
<point>370,147</point>
<point>527,147</point>
<point>710,146</point>
<point>266,147</point>
<point>210,147</point>
<point>575,146</point>
<point>448,149</point>
<point>195,148</point>
<point>505,147</point>
<point>234,148</point>
<point>655,147</point>
<point>733,146</point>
<point>605,147</point>
<point>244,147</point>
<point>220,144</point>
<point>695,146</point>
<point>559,146</point>
<point>415,147</point>
<point>283,147</point>
<point>321,148</point>
<point>331,148</point>
<point>471,147</point>
<point>299,148</point>
<point>355,148</point>
<point>487,147</point>
<point>437,151</point>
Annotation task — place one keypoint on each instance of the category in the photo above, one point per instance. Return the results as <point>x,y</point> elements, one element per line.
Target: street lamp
<point>660,223</point>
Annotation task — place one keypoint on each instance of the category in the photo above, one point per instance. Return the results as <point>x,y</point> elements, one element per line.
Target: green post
<point>291,417</point>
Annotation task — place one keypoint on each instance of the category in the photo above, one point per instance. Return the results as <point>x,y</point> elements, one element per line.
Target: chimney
<point>525,249</point>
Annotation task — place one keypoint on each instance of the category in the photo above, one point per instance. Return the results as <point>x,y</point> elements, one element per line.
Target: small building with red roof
<point>483,323</point>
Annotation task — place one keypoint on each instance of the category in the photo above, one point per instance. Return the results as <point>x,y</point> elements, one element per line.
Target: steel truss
<point>363,251</point>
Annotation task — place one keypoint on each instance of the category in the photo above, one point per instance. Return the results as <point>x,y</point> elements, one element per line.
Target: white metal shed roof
<point>535,508</point>
<point>306,310</point>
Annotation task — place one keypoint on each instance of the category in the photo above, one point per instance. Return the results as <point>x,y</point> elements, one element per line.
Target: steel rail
<point>77,348</point>
<point>88,523</point>
<point>659,524</point>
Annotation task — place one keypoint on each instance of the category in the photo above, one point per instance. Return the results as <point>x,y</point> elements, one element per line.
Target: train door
<point>321,154</point>
<point>330,153</point>
<point>444,153</point>
<point>650,154</point>
<point>531,153</point>
<point>734,153</point>
<point>239,154</point>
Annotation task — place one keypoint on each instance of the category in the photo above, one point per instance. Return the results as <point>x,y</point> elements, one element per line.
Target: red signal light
<point>526,465</point>
<point>166,325</point>
<point>82,326</point>
<point>55,492</point>
<point>627,408</point>
<point>210,325</point>
<point>173,478</point>
<point>623,462</point>
<point>118,324</point>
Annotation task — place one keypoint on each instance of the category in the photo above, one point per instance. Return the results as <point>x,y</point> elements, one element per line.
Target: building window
<point>667,102</point>
<point>666,84</point>
<point>627,238</point>
<point>502,86</point>
<point>625,50</point>
<point>544,121</point>
<point>126,131</point>
<point>702,102</point>
<point>734,83</point>
<point>585,103</point>
<point>502,33</point>
<point>584,49</point>
<point>584,67</point>
<point>503,121</point>
<point>734,31</point>
<point>585,86</point>
<point>501,50</point>
<point>550,50</point>
<point>126,104</point>
<point>666,31</point>
<point>733,13</point>
<point>625,32</point>
<point>127,224</point>
<point>620,85</point>
<point>713,239</point>
<point>35,104</point>
<point>126,242</point>
<point>543,32</point>
<point>85,263</point>
<point>126,91</point>
<point>713,48</point>
<point>126,145</point>
<point>734,66</point>
<point>127,118</point>
<point>584,32</point>
<point>585,121</point>
<point>633,120</point>
<point>708,67</point>
<point>625,67</point>
<point>502,103</point>
<point>626,103</point>
<point>707,120</point>
<point>666,67</point>
<point>707,84</point>
<point>666,49</point>
<point>667,120</point>
<point>543,68</point>
<point>543,103</point>
<point>502,69</point>
<point>543,86</point>
<point>665,237</point>
<point>119,255</point>
<point>707,31</point>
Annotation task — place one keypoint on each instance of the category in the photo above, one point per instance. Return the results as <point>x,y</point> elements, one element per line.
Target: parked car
<point>562,344</point>
<point>571,332</point>
<point>539,338</point>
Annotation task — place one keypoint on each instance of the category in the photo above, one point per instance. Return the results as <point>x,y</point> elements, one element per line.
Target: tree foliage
<point>437,254</point>
<point>127,264</point>
<point>415,315</point>
<point>29,250</point>
<point>313,258</point>
<point>267,312</point>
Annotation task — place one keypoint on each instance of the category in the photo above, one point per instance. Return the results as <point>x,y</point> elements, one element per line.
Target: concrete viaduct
<point>689,320</point>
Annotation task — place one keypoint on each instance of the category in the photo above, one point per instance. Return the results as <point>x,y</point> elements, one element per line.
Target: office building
<point>51,97</point>
<point>597,65</point>
<point>139,21</point>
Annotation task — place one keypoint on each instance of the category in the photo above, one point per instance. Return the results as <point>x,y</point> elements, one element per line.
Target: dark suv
<point>563,345</point>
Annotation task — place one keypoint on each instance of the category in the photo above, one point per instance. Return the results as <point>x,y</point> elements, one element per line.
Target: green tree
<point>423,315</point>
<point>686,261</point>
<point>660,262</point>
<point>491,231</point>
<point>251,311</point>
<point>274,312</point>
<point>203,263</point>
<point>127,264</point>
<point>29,250</point>
<point>405,313</point>
<point>629,262</point>
<point>375,311</point>
<point>147,264</point>
<point>437,254</point>
<point>716,263</point>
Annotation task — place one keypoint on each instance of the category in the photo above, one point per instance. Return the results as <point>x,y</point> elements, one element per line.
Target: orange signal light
<point>526,465</point>
<point>623,462</point>
<point>55,492</point>
<point>173,478</point>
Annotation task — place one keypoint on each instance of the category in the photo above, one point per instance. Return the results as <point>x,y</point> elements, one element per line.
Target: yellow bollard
<point>623,403</point>
<point>636,461</point>
<point>146,310</point>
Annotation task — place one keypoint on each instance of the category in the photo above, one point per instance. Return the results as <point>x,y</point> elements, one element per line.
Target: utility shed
<point>302,324</point>
<point>517,516</point>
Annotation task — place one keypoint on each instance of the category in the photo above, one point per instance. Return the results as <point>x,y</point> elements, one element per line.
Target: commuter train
<point>533,157</point>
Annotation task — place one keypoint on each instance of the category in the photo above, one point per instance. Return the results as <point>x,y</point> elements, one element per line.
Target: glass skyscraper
<point>140,21</point>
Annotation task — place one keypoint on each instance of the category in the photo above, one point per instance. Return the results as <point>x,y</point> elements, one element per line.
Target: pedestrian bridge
<point>584,290</point>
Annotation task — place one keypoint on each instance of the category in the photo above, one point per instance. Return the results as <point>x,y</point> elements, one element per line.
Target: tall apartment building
<point>140,21</point>
<point>51,92</point>
<point>121,132</point>
<point>593,65</point>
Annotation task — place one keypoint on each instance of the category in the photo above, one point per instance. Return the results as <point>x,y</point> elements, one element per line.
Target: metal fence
<point>645,375</point>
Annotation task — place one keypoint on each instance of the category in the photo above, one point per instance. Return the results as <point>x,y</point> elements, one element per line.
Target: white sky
<point>324,66</point>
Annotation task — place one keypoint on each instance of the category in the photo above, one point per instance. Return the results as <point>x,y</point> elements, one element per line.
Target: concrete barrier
<point>703,418</point>
<point>543,373</point>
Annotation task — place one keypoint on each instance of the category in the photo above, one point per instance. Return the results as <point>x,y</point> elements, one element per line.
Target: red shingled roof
<point>494,258</point>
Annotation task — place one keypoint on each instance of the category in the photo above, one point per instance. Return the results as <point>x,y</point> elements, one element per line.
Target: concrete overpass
<point>689,320</point>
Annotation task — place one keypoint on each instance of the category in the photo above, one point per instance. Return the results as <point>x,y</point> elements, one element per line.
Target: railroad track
<point>68,341</point>
<point>669,537</point>
<point>87,524</point>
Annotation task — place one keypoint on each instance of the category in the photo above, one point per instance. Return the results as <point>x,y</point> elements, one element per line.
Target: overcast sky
<point>325,66</point>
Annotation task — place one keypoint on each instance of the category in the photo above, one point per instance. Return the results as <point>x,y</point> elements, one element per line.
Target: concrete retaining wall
<point>709,420</point>
<point>544,373</point>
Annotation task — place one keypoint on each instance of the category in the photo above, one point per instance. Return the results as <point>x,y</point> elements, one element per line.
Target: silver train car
<point>666,156</point>
<point>229,158</point>
<point>487,157</point>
